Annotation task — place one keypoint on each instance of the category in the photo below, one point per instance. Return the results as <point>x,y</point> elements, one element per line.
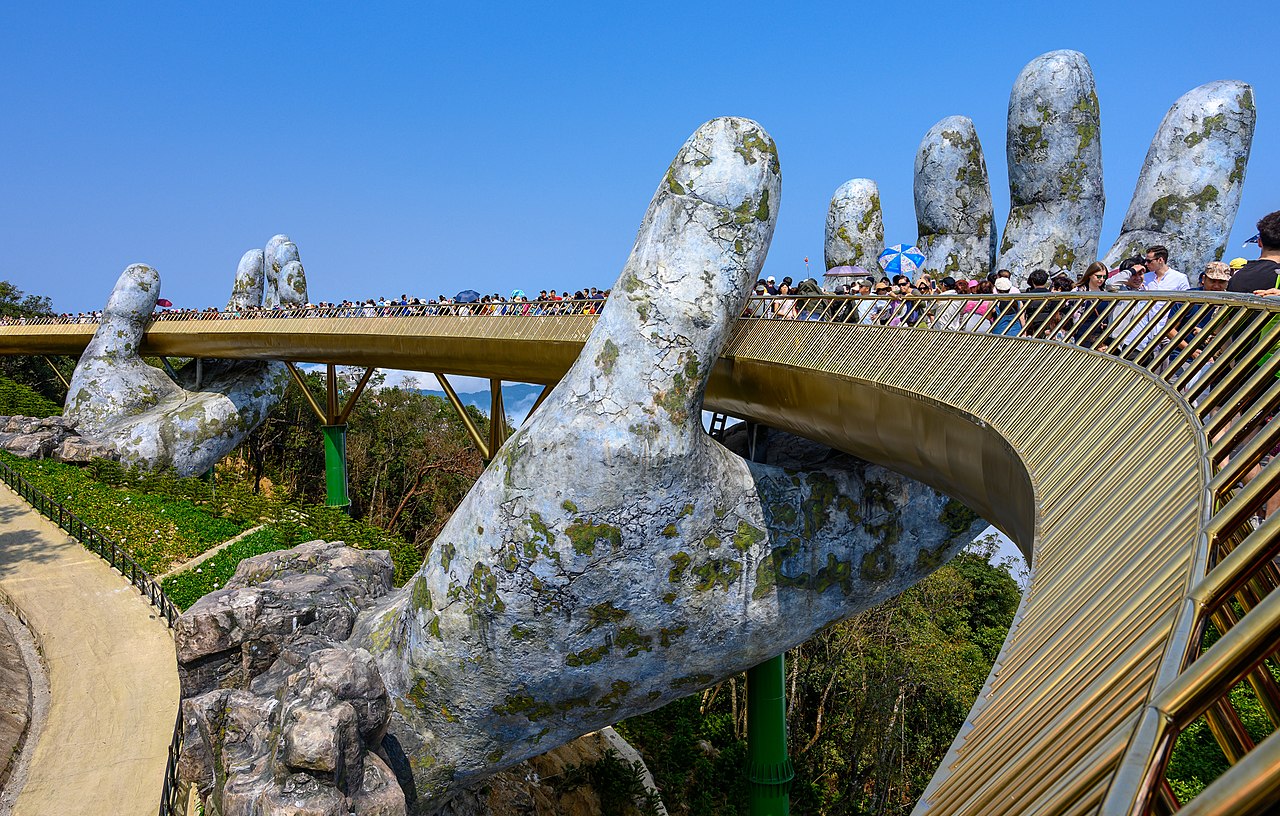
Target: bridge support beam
<point>769,767</point>
<point>335,465</point>
<point>333,425</point>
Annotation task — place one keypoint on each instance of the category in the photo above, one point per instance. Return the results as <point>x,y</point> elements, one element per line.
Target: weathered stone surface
<point>35,445</point>
<point>1189,190</point>
<point>855,226</point>
<point>953,201</point>
<point>1055,168</point>
<point>230,636</point>
<point>613,557</point>
<point>149,419</point>
<point>77,450</point>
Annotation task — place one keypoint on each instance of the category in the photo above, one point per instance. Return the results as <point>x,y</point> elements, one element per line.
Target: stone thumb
<point>127,313</point>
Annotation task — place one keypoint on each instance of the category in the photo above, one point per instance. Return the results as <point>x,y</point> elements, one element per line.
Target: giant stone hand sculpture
<point>1186,197</point>
<point>612,558</point>
<point>153,421</point>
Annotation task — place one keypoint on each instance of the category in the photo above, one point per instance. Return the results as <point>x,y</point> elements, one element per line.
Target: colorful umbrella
<point>901,259</point>
<point>466,296</point>
<point>163,303</point>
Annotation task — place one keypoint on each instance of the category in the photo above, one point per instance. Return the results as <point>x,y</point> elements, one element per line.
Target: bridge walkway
<point>112,673</point>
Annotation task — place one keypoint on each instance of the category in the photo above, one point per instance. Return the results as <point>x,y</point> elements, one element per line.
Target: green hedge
<point>17,399</point>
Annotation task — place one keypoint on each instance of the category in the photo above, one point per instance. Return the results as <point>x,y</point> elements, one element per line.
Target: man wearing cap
<point>1007,323</point>
<point>1262,275</point>
<point>771,285</point>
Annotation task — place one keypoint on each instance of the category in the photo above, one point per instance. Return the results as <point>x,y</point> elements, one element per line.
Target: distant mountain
<point>517,399</point>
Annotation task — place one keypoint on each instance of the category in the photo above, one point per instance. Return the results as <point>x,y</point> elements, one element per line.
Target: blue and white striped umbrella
<point>901,259</point>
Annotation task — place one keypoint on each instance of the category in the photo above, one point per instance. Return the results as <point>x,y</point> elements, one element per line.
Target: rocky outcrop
<point>953,202</point>
<point>50,438</point>
<point>280,716</point>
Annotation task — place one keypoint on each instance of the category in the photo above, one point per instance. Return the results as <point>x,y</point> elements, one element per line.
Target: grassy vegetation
<point>17,399</point>
<point>163,520</point>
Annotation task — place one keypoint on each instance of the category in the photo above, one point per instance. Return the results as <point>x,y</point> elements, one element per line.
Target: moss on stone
<point>447,552</point>
<point>420,598</point>
<point>585,535</point>
<point>687,510</point>
<point>754,146</point>
<point>716,572</point>
<point>604,613</point>
<point>1064,257</point>
<point>607,357</point>
<point>518,632</point>
<point>482,593</point>
<point>711,541</point>
<point>1237,171</point>
<point>668,636</point>
<point>669,598</point>
<point>675,186</point>
<point>532,709</point>
<point>1172,209</point>
<point>632,641</point>
<point>692,680</point>
<point>1207,126</point>
<point>669,531</point>
<point>679,563</point>
<point>747,536</point>
<point>617,691</point>
<point>588,656</point>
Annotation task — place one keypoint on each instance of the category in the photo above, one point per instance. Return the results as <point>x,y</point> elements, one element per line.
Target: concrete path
<point>112,673</point>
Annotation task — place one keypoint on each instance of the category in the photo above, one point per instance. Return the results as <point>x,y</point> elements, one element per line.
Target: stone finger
<point>1188,192</point>
<point>1055,168</point>
<point>126,315</point>
<point>246,293</point>
<point>953,201</point>
<point>855,226</point>
<point>275,256</point>
<point>699,250</point>
<point>292,285</point>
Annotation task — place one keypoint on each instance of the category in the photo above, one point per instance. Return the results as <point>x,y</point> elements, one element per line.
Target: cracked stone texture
<point>855,226</point>
<point>50,438</point>
<point>614,558</point>
<point>188,425</point>
<point>232,635</point>
<point>1188,192</point>
<point>279,714</point>
<point>953,201</point>
<point>1055,168</point>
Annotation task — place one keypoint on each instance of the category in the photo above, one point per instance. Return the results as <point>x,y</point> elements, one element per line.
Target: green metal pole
<point>335,465</point>
<point>768,767</point>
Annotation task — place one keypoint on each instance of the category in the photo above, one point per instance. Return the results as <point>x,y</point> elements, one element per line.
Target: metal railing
<point>123,563</point>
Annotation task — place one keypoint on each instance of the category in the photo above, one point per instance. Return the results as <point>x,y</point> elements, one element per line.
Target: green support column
<point>768,767</point>
<point>335,465</point>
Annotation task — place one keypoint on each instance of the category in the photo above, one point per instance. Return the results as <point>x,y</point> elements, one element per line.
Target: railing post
<point>335,465</point>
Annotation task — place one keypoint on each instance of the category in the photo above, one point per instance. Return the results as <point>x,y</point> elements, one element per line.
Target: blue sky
<point>426,148</point>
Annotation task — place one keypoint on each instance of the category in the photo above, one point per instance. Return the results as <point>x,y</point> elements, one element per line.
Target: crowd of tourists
<point>891,300</point>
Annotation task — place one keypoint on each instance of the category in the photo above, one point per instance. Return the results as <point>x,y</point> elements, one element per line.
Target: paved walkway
<point>112,673</point>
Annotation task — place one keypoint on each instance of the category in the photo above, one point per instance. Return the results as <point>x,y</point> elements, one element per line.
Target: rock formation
<point>1188,193</point>
<point>53,438</point>
<point>953,201</point>
<point>156,423</point>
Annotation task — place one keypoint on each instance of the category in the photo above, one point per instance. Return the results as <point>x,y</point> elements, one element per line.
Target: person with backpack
<point>1261,276</point>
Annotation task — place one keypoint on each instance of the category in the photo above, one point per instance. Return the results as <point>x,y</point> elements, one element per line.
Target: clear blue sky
<point>425,148</point>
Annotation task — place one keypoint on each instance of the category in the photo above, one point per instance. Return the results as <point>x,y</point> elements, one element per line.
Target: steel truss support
<point>487,445</point>
<point>57,373</point>
<point>333,424</point>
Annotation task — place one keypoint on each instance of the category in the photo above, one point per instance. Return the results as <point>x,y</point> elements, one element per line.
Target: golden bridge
<point>1122,462</point>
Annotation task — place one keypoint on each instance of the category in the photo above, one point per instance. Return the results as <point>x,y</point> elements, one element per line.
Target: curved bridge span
<point>1119,462</point>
